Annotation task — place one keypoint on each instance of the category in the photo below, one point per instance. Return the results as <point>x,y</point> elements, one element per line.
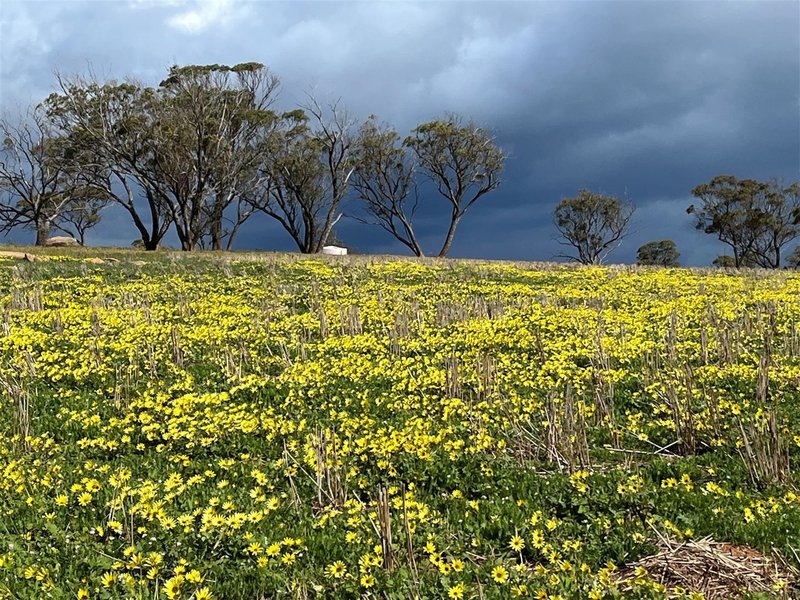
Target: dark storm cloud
<point>644,99</point>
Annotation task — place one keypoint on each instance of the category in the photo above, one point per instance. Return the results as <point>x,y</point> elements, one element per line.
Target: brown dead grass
<point>717,569</point>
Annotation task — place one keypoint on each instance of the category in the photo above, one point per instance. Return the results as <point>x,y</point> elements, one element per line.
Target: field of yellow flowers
<point>200,428</point>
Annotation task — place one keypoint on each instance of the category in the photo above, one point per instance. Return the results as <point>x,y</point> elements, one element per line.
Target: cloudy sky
<point>643,99</point>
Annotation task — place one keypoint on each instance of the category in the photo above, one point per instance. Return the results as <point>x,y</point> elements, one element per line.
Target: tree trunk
<point>451,232</point>
<point>42,232</point>
<point>411,240</point>
<point>216,232</point>
<point>232,234</point>
<point>151,244</point>
<point>183,235</point>
<point>215,222</point>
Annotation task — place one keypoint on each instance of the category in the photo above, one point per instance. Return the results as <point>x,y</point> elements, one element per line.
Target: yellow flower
<point>457,591</point>
<point>517,543</point>
<point>203,594</point>
<point>172,587</point>
<point>336,570</point>
<point>254,548</point>
<point>519,591</point>
<point>500,574</point>
<point>352,537</point>
<point>83,594</point>
<point>367,581</point>
<point>194,576</point>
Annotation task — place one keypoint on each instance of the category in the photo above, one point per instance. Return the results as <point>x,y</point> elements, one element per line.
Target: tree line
<point>757,220</point>
<point>207,148</point>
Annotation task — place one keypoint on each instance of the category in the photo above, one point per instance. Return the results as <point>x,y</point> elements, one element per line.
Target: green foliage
<point>190,417</point>
<point>384,180</point>
<point>306,168</point>
<point>190,147</point>
<point>724,261</point>
<point>756,219</point>
<point>662,253</point>
<point>461,159</point>
<point>593,224</point>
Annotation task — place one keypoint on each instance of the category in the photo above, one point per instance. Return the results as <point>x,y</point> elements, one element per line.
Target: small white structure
<point>334,250</point>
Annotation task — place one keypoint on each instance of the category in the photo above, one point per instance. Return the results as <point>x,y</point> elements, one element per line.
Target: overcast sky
<point>644,99</point>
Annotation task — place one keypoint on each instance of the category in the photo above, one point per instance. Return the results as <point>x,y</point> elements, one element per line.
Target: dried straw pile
<point>717,569</point>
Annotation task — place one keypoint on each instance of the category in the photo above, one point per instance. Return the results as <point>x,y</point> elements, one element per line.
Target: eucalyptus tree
<point>779,222</point>
<point>384,182</point>
<point>462,160</point>
<point>662,253</point>
<point>39,178</point>
<point>114,124</point>
<point>79,217</point>
<point>309,162</point>
<point>794,259</point>
<point>756,219</point>
<point>209,143</point>
<point>729,211</point>
<point>180,153</point>
<point>593,224</point>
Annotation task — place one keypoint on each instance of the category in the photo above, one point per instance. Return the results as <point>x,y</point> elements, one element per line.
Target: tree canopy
<point>662,253</point>
<point>593,224</point>
<point>207,147</point>
<point>461,159</point>
<point>755,219</point>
